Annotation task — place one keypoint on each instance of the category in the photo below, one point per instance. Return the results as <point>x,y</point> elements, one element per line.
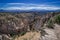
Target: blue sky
<point>30,4</point>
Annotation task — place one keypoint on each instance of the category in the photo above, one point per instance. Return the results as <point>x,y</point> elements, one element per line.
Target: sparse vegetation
<point>28,36</point>
<point>17,35</point>
<point>57,19</point>
<point>50,24</point>
<point>22,33</point>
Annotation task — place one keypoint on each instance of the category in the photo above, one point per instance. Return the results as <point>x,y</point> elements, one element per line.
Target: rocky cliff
<point>29,26</point>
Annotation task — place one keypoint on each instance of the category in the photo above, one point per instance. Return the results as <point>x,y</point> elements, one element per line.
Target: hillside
<point>29,26</point>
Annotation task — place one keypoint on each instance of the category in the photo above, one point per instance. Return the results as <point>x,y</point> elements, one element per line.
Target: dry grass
<point>29,36</point>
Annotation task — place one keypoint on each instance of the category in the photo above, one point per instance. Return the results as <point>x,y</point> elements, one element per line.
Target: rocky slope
<point>29,26</point>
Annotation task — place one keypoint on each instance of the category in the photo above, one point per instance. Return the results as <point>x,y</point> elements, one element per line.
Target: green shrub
<point>50,24</point>
<point>57,19</point>
<point>22,33</point>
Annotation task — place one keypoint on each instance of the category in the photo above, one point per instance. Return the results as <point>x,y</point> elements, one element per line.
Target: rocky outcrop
<point>5,37</point>
<point>26,22</point>
<point>12,25</point>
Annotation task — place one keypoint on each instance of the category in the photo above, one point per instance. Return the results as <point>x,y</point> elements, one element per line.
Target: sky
<point>30,4</point>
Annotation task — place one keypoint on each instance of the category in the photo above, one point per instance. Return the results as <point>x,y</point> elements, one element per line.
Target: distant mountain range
<point>29,10</point>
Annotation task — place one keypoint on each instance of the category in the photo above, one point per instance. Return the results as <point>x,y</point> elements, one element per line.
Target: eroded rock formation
<point>26,22</point>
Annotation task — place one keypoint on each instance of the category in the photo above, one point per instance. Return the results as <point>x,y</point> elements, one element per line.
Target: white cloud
<point>25,6</point>
<point>18,8</point>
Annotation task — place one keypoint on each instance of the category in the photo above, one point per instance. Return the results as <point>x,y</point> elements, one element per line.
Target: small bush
<point>50,24</point>
<point>22,33</point>
<point>57,19</point>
